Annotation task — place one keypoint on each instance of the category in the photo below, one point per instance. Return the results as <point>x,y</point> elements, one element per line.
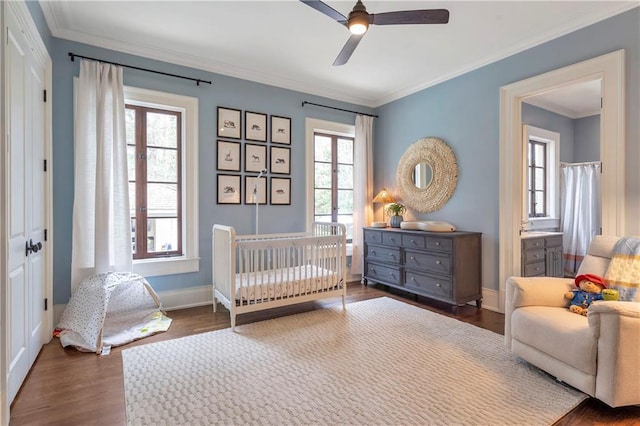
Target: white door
<point>26,211</point>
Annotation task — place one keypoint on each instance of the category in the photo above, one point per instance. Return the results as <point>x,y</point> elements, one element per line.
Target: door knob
<point>29,247</point>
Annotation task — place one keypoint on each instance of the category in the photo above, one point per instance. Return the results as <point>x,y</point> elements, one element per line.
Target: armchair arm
<point>616,325</point>
<point>533,291</point>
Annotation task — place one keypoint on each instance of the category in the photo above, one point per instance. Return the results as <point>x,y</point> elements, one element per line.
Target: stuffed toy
<point>590,288</point>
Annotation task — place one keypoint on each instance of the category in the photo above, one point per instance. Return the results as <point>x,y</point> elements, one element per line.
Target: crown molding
<point>55,15</point>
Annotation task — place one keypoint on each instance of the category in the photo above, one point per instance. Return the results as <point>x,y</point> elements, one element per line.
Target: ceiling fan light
<point>358,28</point>
<point>358,22</point>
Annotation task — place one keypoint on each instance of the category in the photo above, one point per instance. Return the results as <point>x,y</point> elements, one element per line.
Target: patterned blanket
<point>623,273</point>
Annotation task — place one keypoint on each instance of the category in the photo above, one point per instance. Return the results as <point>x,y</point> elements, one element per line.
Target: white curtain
<point>580,210</point>
<point>101,218</point>
<point>362,186</point>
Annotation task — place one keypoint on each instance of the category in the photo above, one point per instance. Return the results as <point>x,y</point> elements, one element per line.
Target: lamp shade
<point>383,197</point>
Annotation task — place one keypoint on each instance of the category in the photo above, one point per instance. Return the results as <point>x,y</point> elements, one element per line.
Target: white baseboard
<point>490,300</point>
<point>202,295</point>
<point>186,297</point>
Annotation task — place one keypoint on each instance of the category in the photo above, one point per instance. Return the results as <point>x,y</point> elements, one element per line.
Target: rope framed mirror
<point>427,174</point>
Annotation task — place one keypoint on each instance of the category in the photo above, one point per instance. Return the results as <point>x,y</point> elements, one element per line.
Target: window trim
<point>313,125</point>
<point>188,106</point>
<point>552,139</point>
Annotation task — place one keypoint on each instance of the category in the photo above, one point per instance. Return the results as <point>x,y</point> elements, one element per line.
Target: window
<point>153,158</point>
<point>542,182</point>
<point>537,186</point>
<point>330,173</point>
<point>333,180</point>
<point>162,154</point>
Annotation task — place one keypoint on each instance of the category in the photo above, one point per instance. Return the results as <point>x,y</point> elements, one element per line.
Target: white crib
<point>256,272</point>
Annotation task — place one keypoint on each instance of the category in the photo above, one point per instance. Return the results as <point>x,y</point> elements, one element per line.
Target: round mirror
<point>422,175</point>
<point>427,175</point>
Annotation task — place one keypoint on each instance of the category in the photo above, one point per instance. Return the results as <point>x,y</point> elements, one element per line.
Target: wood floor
<point>66,387</point>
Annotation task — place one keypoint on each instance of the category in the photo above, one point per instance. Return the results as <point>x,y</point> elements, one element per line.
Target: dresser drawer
<point>440,287</point>
<point>439,244</point>
<point>533,256</point>
<point>392,239</point>
<point>534,269</point>
<point>383,253</point>
<point>372,237</point>
<point>532,243</point>
<point>429,262</point>
<point>414,241</point>
<point>554,241</point>
<point>383,274</point>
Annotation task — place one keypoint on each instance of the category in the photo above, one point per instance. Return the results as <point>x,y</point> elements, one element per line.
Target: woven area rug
<point>379,362</point>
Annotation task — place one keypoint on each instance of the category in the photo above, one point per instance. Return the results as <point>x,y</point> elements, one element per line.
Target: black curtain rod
<point>197,80</point>
<point>339,109</point>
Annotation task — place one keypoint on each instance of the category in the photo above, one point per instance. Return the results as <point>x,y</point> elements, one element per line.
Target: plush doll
<point>589,289</point>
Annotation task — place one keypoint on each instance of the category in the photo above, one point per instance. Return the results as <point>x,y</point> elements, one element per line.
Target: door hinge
<point>45,235</point>
<point>45,95</point>
<point>601,102</point>
<point>46,304</point>
<point>45,165</point>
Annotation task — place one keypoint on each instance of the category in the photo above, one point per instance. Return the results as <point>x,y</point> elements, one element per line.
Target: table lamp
<point>385,198</point>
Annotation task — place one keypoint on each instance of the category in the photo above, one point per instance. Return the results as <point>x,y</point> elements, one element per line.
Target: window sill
<point>166,266</point>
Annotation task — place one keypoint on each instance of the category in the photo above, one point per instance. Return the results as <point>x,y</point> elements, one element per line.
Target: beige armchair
<point>598,354</point>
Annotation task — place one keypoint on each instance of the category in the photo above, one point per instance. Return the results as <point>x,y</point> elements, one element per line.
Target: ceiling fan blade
<point>326,9</point>
<point>428,16</point>
<point>348,49</point>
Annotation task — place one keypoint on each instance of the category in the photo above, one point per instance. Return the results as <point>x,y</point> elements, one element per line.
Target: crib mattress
<point>285,282</point>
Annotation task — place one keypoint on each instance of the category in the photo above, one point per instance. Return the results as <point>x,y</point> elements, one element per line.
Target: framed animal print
<point>280,191</point>
<point>228,156</point>
<point>280,160</point>
<point>229,191</point>
<point>255,157</point>
<point>229,123</point>
<point>255,126</point>
<point>255,190</point>
<point>280,129</point>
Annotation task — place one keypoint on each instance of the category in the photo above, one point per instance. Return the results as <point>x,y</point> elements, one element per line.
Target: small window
<point>537,185</point>
<point>542,183</point>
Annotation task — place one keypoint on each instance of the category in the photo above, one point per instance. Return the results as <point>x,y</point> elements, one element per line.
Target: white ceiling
<point>575,101</point>
<point>288,44</point>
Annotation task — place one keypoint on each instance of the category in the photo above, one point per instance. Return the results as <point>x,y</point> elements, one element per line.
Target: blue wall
<point>539,117</point>
<point>225,91</point>
<point>464,111</point>
<point>586,139</point>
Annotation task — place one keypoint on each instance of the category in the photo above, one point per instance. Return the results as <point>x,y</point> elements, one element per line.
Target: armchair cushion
<point>558,333</point>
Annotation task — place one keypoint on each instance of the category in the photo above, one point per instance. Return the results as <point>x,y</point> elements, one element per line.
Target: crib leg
<point>233,322</point>
<point>344,301</point>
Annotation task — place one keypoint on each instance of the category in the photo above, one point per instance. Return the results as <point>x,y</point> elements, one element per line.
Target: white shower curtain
<point>580,210</point>
<point>101,217</point>
<point>362,186</point>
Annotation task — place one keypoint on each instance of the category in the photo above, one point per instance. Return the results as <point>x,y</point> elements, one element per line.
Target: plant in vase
<point>395,211</point>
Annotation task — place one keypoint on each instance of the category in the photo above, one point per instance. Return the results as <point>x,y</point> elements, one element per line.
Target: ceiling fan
<point>359,20</point>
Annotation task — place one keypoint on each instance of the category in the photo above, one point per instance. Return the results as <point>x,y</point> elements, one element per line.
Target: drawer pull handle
<point>438,262</point>
<point>437,243</point>
<point>391,254</point>
<point>438,285</point>
<point>412,258</point>
<point>413,279</point>
<point>373,252</point>
<point>413,241</point>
